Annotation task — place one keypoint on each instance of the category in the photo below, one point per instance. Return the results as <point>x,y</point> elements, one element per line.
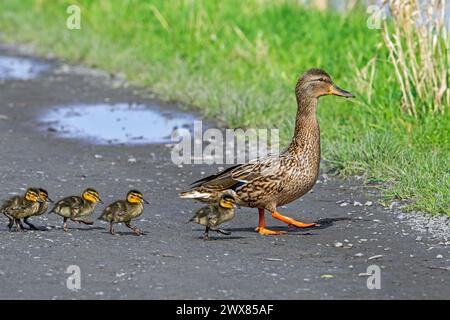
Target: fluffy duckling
<point>43,206</point>
<point>215,214</point>
<point>123,211</point>
<point>21,207</point>
<point>76,208</point>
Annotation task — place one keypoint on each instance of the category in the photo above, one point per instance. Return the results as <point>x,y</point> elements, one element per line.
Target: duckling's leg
<point>84,221</point>
<point>261,228</point>
<point>220,231</point>
<point>18,225</point>
<point>11,222</point>
<point>135,230</point>
<point>10,219</point>
<point>292,222</point>
<point>206,235</point>
<point>65,227</point>
<point>21,225</point>
<point>32,226</point>
<point>111,228</point>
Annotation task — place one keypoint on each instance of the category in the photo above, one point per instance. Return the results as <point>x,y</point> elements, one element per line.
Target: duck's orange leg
<point>293,222</point>
<point>262,225</point>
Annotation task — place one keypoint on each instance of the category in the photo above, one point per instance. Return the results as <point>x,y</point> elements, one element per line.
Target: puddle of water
<point>20,68</point>
<point>120,123</point>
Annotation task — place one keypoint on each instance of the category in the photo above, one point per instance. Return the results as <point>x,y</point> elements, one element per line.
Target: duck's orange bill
<point>335,90</point>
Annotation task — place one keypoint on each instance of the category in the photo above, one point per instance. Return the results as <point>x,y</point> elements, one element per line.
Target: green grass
<point>238,61</point>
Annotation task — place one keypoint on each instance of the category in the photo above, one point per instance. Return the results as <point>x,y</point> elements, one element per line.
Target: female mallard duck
<point>277,180</point>
<point>124,211</point>
<point>21,207</point>
<point>76,208</point>
<point>214,215</point>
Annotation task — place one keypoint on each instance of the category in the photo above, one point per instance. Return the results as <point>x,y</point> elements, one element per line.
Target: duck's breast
<point>301,178</point>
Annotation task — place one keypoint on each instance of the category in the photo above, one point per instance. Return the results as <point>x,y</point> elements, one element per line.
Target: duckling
<point>215,214</point>
<point>276,180</point>
<point>19,207</point>
<point>123,211</point>
<point>43,194</point>
<point>77,207</point>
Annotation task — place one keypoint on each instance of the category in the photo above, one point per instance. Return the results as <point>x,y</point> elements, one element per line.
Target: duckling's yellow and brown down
<point>214,215</point>
<point>21,207</point>
<point>123,211</point>
<point>77,208</point>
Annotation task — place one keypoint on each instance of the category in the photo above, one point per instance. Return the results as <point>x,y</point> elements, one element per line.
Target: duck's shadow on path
<point>324,223</point>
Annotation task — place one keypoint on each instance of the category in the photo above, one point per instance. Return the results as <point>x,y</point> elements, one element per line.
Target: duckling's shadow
<point>86,229</point>
<point>38,229</point>
<point>125,233</point>
<point>223,238</point>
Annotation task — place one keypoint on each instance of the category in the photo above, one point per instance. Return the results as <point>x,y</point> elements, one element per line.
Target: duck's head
<point>92,195</point>
<point>228,199</point>
<point>315,83</point>
<point>32,195</point>
<point>135,196</point>
<point>43,194</point>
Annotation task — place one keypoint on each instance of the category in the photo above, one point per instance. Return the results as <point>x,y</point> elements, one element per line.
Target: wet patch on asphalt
<point>119,123</point>
<point>16,68</point>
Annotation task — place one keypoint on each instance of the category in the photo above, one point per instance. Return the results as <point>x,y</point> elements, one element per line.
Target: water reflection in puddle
<point>117,123</point>
<point>20,68</point>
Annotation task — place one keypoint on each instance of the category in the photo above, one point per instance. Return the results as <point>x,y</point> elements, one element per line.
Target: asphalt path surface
<point>171,261</point>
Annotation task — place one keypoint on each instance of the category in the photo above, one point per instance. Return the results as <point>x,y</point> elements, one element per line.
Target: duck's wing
<point>236,176</point>
<point>10,203</point>
<point>114,208</point>
<point>206,211</point>
<point>71,204</point>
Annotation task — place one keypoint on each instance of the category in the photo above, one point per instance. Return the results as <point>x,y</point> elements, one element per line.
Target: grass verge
<point>238,61</point>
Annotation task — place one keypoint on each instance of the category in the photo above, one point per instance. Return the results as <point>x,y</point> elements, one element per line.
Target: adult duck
<point>274,181</point>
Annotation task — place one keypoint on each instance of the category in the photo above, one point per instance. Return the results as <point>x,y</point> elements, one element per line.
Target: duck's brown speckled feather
<point>18,207</point>
<point>74,207</point>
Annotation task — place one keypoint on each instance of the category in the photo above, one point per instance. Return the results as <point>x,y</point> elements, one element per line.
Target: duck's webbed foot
<point>261,228</point>
<point>267,232</point>
<point>293,222</point>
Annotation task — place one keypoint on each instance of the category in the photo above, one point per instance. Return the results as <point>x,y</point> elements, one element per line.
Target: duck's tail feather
<point>194,194</point>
